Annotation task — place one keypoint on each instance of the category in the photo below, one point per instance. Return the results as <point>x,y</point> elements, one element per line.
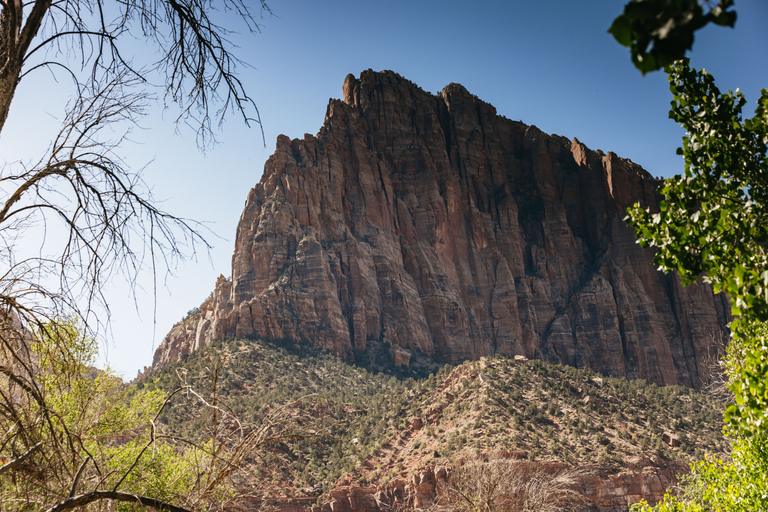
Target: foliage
<point>659,32</point>
<point>712,225</point>
<point>75,435</point>
<point>257,377</point>
<point>747,364</point>
<point>713,218</point>
<point>713,221</point>
<point>532,409</point>
<point>77,418</point>
<point>718,486</point>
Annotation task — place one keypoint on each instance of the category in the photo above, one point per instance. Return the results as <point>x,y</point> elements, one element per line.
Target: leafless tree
<point>79,216</point>
<point>93,215</point>
<point>195,53</point>
<point>713,379</point>
<point>499,484</point>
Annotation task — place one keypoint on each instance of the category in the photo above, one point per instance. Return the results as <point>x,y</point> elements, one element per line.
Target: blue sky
<point>549,63</point>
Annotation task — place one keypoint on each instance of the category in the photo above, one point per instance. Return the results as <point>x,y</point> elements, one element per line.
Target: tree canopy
<point>74,435</point>
<point>713,225</point>
<point>714,218</point>
<point>659,32</point>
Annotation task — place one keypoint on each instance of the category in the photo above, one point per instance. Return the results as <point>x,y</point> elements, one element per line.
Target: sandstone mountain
<point>423,225</point>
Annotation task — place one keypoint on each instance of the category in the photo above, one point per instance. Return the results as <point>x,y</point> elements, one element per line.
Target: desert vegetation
<point>382,428</point>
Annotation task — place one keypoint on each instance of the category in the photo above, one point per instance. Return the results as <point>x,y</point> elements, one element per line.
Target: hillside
<point>384,429</point>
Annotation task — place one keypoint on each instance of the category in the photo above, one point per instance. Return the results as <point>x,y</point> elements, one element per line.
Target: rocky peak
<point>429,225</point>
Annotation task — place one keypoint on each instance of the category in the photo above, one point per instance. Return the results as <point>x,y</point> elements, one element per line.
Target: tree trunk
<point>9,79</point>
<point>16,34</point>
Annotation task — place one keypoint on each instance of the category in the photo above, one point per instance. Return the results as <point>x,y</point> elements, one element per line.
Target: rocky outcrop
<point>599,490</point>
<point>432,225</point>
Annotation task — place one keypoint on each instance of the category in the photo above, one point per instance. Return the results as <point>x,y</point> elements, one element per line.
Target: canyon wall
<point>429,225</point>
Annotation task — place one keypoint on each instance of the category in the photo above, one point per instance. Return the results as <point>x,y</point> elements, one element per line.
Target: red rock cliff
<point>599,489</point>
<point>432,224</point>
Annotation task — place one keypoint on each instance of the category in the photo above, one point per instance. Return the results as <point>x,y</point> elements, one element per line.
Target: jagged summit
<point>421,226</point>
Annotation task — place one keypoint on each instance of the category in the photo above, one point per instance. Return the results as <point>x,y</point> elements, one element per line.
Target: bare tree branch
<point>498,484</point>
<point>91,497</point>
<point>18,461</point>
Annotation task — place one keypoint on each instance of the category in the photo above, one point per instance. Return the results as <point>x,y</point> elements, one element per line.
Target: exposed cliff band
<point>429,223</point>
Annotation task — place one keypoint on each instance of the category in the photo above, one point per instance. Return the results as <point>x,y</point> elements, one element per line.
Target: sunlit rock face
<point>432,224</point>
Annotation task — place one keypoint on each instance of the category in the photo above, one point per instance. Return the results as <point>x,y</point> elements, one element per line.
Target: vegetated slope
<point>382,427</point>
<point>427,225</point>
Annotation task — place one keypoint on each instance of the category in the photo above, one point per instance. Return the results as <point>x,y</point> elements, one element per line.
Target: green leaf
<point>621,31</point>
<point>659,32</point>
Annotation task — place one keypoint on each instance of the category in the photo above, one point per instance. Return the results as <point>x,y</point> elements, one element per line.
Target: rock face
<point>432,225</point>
<point>600,490</point>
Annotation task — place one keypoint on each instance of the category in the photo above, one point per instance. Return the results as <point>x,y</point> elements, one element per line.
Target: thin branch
<point>81,33</point>
<point>19,460</point>
<point>77,476</point>
<point>91,497</point>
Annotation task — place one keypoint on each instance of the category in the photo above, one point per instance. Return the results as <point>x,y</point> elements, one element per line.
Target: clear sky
<point>549,63</point>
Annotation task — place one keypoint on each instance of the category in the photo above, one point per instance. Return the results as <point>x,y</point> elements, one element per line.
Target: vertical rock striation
<point>431,225</point>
